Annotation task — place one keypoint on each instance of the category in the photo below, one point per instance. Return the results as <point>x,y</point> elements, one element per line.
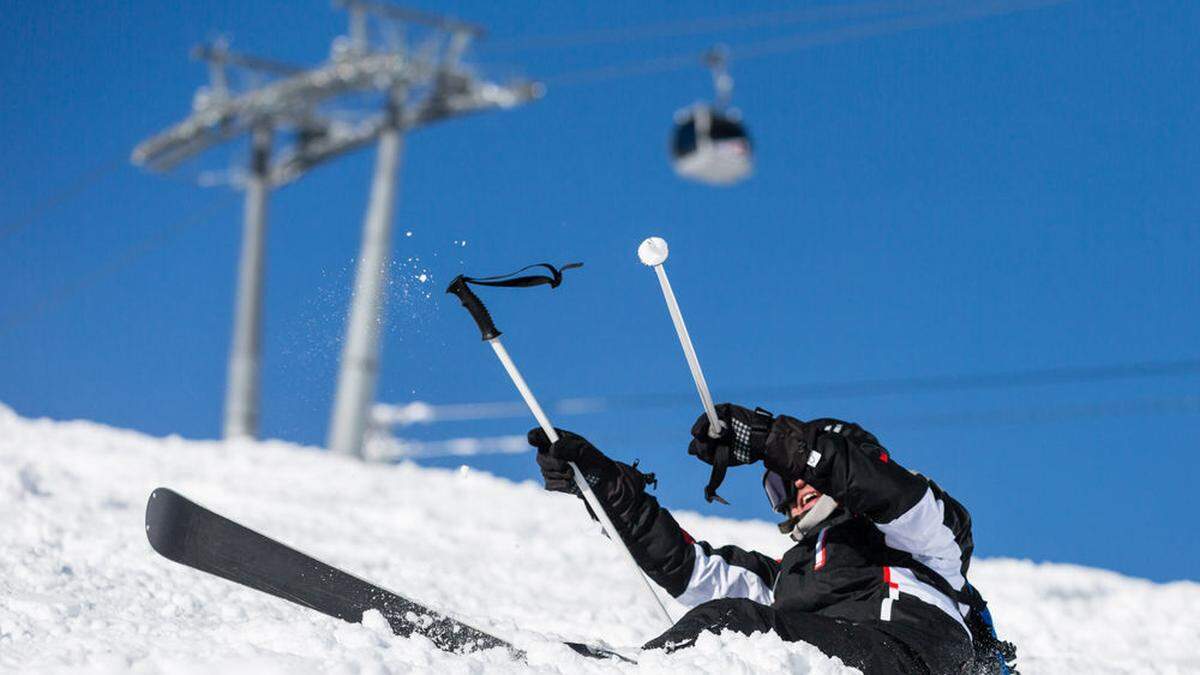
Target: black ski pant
<point>872,646</point>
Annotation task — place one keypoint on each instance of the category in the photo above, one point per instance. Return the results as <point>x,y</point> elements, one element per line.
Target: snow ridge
<point>81,590</point>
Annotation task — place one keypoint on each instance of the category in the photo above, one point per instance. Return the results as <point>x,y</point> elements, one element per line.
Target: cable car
<point>709,143</point>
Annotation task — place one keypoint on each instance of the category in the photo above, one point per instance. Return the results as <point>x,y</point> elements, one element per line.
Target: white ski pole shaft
<point>653,253</point>
<point>580,480</point>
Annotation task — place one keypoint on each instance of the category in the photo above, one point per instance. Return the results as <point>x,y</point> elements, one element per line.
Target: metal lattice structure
<point>412,87</point>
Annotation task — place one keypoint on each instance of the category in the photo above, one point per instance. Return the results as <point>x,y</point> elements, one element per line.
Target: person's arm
<point>847,463</point>
<point>692,572</point>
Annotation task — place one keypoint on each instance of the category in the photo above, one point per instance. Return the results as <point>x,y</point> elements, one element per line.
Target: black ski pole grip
<point>474,305</point>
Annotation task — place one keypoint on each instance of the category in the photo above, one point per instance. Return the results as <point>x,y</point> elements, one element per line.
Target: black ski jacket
<point>873,560</point>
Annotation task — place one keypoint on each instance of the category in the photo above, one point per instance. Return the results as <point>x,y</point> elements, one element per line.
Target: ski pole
<point>491,335</point>
<point>653,252</point>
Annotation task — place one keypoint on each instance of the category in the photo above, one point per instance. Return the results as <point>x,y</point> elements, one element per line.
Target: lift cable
<point>68,191</point>
<point>387,447</point>
<point>707,25</point>
<point>801,41</point>
<point>116,263</point>
<point>951,12</point>
<point>423,413</point>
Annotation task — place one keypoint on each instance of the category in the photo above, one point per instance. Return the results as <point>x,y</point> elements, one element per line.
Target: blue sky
<point>1006,195</point>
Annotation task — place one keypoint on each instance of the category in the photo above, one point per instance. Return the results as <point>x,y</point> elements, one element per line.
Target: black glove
<point>742,440</point>
<point>790,445</point>
<point>743,436</point>
<point>553,458</point>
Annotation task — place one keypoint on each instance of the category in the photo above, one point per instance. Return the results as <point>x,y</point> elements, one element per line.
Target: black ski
<point>189,534</point>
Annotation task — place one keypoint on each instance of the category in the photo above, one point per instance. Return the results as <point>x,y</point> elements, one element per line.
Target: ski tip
<point>162,508</point>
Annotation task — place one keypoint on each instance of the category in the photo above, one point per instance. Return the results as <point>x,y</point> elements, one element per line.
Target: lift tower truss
<point>414,88</point>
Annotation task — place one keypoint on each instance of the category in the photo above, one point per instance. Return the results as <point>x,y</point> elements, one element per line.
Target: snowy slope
<point>80,589</point>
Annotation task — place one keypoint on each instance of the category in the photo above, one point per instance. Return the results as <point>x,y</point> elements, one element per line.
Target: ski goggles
<point>780,493</point>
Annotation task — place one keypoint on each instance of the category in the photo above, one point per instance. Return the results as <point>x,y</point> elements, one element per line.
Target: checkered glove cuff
<point>741,442</point>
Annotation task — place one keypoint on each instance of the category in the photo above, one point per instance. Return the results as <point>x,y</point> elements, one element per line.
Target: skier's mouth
<point>805,502</point>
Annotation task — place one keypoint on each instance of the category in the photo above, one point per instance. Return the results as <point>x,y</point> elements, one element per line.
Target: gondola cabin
<point>711,146</point>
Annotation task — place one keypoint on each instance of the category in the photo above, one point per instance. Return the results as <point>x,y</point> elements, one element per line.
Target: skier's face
<point>806,497</point>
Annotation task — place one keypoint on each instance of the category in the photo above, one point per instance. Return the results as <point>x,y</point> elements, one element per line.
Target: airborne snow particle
<point>422,277</point>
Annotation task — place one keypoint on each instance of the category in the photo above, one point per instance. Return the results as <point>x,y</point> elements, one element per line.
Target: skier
<point>878,573</point>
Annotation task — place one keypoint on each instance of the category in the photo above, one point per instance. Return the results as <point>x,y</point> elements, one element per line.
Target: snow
<point>81,590</point>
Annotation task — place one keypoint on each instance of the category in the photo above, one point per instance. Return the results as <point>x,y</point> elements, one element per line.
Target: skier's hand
<point>743,432</point>
<point>553,459</point>
<point>789,447</point>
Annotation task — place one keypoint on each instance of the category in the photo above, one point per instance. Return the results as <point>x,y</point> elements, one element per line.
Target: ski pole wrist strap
<point>553,278</point>
<point>720,465</point>
<point>460,287</point>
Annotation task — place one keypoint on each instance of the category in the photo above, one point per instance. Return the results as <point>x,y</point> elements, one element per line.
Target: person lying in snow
<point>878,573</point>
